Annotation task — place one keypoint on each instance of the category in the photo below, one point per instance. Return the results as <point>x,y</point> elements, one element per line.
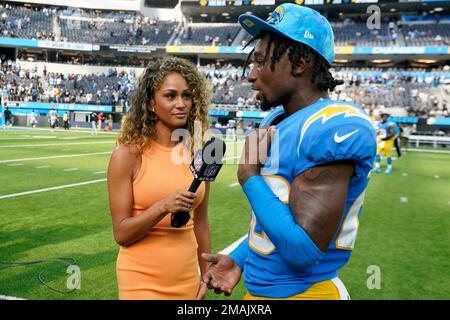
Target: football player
<point>307,195</point>
<point>385,139</point>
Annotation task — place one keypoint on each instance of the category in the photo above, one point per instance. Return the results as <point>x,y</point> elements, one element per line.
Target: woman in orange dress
<point>148,179</point>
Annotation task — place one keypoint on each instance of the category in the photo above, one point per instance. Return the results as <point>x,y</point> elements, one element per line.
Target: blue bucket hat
<point>298,23</point>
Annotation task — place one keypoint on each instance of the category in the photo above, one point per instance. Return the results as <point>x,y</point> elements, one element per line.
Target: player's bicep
<point>317,200</point>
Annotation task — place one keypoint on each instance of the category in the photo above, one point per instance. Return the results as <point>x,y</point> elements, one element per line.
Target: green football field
<point>54,204</point>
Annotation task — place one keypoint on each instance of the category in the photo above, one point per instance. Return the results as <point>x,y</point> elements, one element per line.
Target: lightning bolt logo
<point>330,112</point>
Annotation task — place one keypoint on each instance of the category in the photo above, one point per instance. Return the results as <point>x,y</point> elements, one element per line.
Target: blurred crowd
<point>110,88</point>
<point>416,91</point>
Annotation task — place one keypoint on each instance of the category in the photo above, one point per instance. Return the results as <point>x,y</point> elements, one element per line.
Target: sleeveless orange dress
<point>163,264</point>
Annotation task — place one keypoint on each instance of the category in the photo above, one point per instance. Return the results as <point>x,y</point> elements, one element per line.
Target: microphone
<point>205,167</point>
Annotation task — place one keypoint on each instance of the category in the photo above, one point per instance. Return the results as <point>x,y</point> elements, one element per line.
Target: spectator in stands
<point>229,39</point>
<point>157,261</point>
<point>250,101</point>
<point>231,130</point>
<point>241,102</point>
<point>240,133</point>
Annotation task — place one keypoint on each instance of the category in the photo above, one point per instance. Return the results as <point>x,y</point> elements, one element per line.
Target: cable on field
<point>66,261</point>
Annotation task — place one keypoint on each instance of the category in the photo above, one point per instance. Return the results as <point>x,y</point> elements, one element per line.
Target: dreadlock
<point>321,77</point>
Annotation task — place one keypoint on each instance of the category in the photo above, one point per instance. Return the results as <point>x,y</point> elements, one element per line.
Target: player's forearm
<point>277,221</point>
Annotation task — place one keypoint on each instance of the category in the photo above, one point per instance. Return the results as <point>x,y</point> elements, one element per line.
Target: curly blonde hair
<point>139,126</point>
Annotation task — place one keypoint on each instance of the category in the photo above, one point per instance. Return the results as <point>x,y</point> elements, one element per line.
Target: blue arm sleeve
<point>240,253</point>
<point>277,221</point>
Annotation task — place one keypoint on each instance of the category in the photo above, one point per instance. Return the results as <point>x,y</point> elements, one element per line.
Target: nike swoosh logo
<point>344,137</point>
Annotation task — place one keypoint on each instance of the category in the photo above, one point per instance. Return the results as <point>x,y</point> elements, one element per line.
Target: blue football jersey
<point>386,129</point>
<point>323,132</point>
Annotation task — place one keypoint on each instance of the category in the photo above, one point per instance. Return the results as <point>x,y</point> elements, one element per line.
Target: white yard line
<point>44,137</point>
<point>56,157</point>
<point>79,130</point>
<point>233,184</point>
<point>51,189</point>
<point>15,164</point>
<point>42,167</point>
<point>57,144</point>
<point>71,169</point>
<point>2,297</point>
<point>100,172</point>
<point>233,246</point>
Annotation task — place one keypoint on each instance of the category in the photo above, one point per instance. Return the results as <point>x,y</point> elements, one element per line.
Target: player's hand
<point>255,153</point>
<point>179,201</point>
<point>222,276</point>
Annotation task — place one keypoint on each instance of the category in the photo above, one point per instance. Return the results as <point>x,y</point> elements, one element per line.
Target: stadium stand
<point>114,32</point>
<point>111,88</point>
<point>428,34</point>
<point>352,33</point>
<point>22,22</point>
<point>83,26</point>
<point>419,92</point>
<point>92,26</point>
<point>207,34</point>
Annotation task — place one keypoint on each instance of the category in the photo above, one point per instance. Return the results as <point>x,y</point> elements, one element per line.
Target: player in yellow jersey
<point>385,140</point>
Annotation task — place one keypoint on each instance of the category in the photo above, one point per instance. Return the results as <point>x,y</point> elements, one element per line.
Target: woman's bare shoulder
<point>125,155</point>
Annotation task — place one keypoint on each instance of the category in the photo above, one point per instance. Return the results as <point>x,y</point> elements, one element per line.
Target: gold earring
<point>153,115</point>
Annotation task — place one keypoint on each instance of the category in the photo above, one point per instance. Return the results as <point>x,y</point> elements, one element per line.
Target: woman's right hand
<point>179,201</point>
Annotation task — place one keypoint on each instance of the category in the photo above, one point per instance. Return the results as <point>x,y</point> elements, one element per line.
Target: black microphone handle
<point>179,219</point>
<point>194,185</point>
